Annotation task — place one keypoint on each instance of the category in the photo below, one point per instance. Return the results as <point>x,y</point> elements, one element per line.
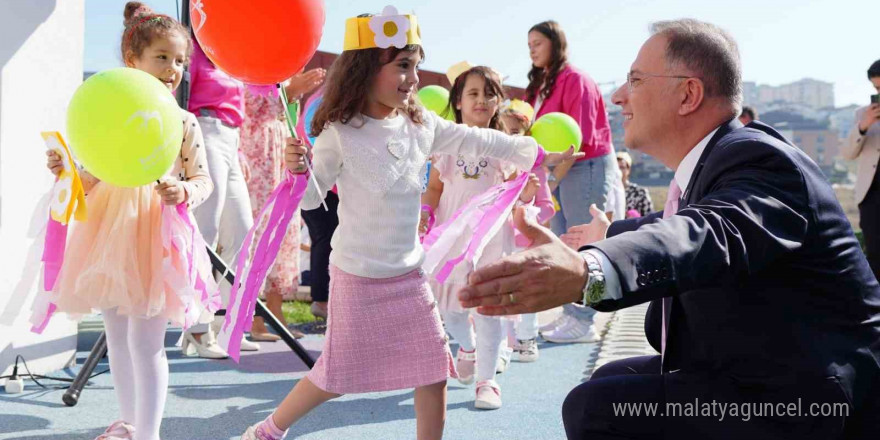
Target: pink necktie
<point>671,206</point>
<point>669,210</point>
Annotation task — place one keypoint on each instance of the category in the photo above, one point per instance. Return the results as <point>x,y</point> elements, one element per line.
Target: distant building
<point>822,145</point>
<point>817,138</point>
<point>843,119</point>
<point>809,92</point>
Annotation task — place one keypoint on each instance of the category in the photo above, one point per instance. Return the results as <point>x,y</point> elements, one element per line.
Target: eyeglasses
<point>633,81</point>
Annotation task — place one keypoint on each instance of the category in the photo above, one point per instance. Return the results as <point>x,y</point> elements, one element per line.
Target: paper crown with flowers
<point>383,31</point>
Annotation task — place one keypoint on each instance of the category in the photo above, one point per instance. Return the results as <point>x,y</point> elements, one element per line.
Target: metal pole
<point>71,396</point>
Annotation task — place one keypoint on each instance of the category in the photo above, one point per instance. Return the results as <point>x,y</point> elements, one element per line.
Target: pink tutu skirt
<point>118,259</point>
<point>382,335</point>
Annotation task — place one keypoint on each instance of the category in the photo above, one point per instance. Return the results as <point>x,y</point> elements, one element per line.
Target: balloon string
<point>282,95</point>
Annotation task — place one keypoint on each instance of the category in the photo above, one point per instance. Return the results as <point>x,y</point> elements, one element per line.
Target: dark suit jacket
<point>765,279</point>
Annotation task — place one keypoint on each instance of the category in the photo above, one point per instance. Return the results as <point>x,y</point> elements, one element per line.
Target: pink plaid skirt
<point>382,335</point>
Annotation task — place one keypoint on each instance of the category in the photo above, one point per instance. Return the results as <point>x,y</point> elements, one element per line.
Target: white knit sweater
<point>377,167</point>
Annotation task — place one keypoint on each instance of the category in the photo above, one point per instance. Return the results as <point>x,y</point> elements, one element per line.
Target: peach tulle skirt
<point>115,259</point>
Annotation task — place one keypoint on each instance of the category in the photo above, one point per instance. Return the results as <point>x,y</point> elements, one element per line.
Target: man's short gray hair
<point>708,52</point>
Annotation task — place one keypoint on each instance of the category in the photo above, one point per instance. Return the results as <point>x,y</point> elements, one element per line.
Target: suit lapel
<point>669,302</point>
<point>723,130</point>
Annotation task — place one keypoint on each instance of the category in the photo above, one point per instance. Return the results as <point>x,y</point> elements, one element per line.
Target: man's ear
<point>692,96</point>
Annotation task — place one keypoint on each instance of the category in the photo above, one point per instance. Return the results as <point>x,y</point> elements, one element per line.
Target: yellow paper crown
<point>520,107</point>
<point>383,31</point>
<point>456,70</point>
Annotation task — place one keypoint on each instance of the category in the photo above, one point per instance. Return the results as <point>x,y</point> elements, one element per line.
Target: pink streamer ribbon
<point>483,215</point>
<point>197,289</point>
<point>53,258</point>
<point>284,201</point>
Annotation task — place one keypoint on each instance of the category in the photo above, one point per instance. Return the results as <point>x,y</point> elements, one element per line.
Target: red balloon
<point>258,42</point>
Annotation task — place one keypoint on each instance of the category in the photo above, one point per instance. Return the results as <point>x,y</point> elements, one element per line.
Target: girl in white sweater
<point>373,140</point>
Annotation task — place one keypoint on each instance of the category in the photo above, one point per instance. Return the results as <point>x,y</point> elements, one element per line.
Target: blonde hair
<point>623,155</point>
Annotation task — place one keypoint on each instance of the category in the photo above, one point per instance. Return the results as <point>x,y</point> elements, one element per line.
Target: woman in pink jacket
<point>556,86</point>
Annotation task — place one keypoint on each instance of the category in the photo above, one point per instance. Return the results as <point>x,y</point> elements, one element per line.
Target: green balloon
<point>436,99</point>
<point>556,132</point>
<point>125,127</point>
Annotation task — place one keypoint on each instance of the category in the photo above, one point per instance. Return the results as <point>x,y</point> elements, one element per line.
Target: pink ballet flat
<point>119,430</point>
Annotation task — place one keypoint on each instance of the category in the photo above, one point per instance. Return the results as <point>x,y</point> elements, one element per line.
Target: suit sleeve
<point>753,213</point>
<point>632,224</point>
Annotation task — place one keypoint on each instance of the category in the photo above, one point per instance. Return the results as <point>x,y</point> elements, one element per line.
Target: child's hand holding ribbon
<point>294,156</point>
<point>171,190</point>
<point>54,163</point>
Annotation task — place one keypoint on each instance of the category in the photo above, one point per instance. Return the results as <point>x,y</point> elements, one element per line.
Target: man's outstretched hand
<point>546,275</point>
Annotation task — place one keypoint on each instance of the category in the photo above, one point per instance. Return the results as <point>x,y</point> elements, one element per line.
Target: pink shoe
<point>119,430</point>
<point>465,364</point>
<point>257,432</point>
<point>488,395</point>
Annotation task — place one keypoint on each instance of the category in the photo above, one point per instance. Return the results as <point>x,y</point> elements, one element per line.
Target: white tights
<point>136,348</point>
<point>489,335</point>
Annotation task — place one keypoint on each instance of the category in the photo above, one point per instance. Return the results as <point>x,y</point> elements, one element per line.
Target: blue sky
<point>780,40</point>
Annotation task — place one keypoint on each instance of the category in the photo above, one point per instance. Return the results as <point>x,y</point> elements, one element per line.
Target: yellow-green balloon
<point>556,132</point>
<point>436,99</point>
<point>125,127</point>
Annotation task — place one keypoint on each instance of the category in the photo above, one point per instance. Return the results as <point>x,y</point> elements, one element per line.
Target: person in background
<point>748,114</point>
<point>225,218</point>
<point>863,145</point>
<point>557,86</point>
<point>638,200</point>
<point>263,133</point>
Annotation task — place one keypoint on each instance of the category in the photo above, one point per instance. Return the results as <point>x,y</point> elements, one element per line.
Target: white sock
<point>458,325</point>
<point>146,339</point>
<point>121,368</point>
<point>490,335</point>
<point>527,327</point>
<point>139,368</point>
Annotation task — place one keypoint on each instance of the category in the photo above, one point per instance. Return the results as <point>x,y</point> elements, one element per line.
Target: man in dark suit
<point>763,307</point>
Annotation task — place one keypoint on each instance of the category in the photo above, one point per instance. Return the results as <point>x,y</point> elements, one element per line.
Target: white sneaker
<point>552,325</point>
<point>503,360</point>
<point>206,349</point>
<point>488,395</point>
<point>526,350</point>
<point>574,331</point>
<point>247,345</point>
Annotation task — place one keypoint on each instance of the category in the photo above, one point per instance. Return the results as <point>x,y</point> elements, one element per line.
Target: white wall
<point>41,64</point>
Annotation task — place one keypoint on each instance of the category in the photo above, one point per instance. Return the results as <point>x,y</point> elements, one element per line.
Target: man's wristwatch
<point>594,289</point>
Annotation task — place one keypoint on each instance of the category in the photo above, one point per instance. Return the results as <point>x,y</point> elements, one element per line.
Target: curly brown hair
<point>348,84</point>
<point>142,26</point>
<point>493,87</point>
<point>558,59</point>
